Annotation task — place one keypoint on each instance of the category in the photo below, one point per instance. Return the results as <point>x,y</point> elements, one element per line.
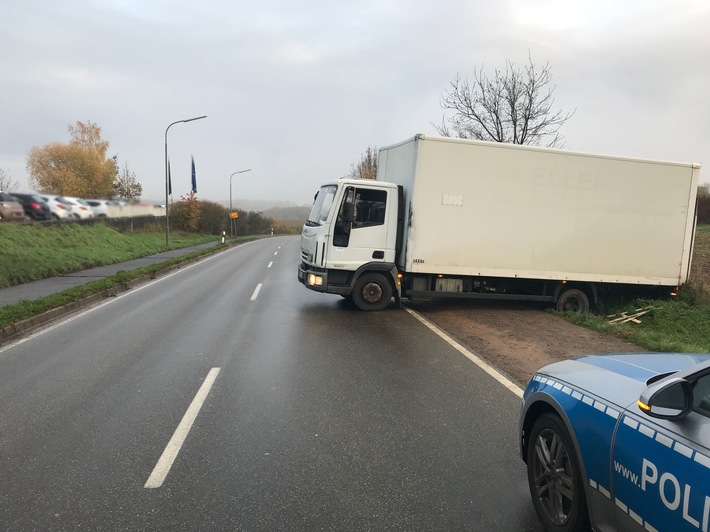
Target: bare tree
<point>514,106</point>
<point>7,184</point>
<point>126,185</point>
<point>366,167</point>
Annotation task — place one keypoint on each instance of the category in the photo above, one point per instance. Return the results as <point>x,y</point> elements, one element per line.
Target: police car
<point>620,442</point>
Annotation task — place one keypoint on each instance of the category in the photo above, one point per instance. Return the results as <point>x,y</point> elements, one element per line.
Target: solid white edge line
<point>256,292</point>
<point>162,468</point>
<point>517,390</point>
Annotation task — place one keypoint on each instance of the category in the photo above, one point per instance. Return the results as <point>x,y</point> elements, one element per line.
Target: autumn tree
<point>126,186</point>
<point>366,167</point>
<point>185,214</point>
<point>7,184</point>
<point>79,168</point>
<point>515,105</point>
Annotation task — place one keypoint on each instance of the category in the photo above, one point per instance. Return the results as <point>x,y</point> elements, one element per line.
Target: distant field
<point>289,227</point>
<point>700,267</point>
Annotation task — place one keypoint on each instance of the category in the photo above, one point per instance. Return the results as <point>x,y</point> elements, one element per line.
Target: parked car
<point>620,442</point>
<point>80,208</point>
<point>101,206</point>
<point>35,207</point>
<point>59,209</point>
<point>10,208</point>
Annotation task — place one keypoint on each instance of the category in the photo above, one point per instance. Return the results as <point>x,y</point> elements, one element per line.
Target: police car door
<point>661,468</point>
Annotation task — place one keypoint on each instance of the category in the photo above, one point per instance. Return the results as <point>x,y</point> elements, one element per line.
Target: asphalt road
<point>226,396</point>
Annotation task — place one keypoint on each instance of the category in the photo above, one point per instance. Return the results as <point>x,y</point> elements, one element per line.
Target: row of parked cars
<point>19,207</point>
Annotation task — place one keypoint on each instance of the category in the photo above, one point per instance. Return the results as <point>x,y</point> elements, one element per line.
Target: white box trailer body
<point>460,218</point>
<point>503,210</point>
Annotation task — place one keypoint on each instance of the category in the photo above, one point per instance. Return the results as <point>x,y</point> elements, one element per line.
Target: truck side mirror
<point>347,211</point>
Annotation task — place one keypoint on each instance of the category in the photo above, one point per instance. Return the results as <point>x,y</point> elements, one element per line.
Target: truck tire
<point>573,300</point>
<point>372,291</point>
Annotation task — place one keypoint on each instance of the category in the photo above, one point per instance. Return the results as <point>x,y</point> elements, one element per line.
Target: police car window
<point>701,395</point>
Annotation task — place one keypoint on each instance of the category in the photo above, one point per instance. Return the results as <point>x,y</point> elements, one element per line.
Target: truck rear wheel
<point>372,291</point>
<point>573,300</point>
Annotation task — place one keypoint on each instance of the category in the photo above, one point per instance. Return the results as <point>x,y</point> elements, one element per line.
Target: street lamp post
<point>231,220</point>
<point>167,187</point>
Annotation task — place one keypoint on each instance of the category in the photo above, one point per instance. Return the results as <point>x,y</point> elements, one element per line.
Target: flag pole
<point>167,180</point>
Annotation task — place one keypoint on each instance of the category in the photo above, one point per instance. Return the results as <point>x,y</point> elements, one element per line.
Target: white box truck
<point>460,218</point>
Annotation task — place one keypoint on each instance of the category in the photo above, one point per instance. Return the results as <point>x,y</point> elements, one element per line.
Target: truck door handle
<point>378,254</point>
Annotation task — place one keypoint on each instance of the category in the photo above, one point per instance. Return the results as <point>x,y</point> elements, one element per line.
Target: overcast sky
<point>297,90</point>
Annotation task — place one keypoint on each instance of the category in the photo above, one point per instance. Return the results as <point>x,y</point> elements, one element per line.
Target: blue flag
<point>194,177</point>
<point>170,181</point>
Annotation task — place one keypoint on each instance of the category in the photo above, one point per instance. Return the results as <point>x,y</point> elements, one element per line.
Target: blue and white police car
<point>620,442</point>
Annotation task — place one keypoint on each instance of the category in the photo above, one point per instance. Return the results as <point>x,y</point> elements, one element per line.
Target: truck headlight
<point>315,280</point>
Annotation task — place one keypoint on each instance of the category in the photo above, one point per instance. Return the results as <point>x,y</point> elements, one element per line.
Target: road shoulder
<point>517,339</point>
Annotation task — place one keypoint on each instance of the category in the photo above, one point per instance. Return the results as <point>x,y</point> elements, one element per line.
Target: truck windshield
<point>322,205</point>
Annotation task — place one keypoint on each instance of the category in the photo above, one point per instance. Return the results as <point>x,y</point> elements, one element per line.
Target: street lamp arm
<point>240,172</point>
<point>167,128</point>
<point>231,221</point>
<point>196,118</point>
<point>181,122</point>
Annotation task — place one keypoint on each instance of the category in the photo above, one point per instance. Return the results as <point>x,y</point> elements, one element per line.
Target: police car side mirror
<point>669,398</point>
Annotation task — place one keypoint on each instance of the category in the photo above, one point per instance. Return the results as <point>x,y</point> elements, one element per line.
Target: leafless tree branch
<point>514,106</point>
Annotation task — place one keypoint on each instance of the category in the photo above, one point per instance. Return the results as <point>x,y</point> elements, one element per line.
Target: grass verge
<point>672,326</point>
<point>680,325</point>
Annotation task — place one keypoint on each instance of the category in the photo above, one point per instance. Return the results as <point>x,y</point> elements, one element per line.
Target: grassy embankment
<point>682,324</point>
<point>32,252</point>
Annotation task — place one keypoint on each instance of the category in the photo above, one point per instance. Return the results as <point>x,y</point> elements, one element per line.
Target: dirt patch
<point>517,339</point>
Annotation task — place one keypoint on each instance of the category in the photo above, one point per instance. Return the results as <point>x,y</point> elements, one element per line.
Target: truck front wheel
<point>573,300</point>
<point>372,291</point>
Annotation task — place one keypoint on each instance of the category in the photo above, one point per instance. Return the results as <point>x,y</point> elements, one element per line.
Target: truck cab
<point>349,242</point>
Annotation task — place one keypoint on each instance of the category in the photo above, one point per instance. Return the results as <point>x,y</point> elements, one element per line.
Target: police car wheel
<point>554,477</point>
